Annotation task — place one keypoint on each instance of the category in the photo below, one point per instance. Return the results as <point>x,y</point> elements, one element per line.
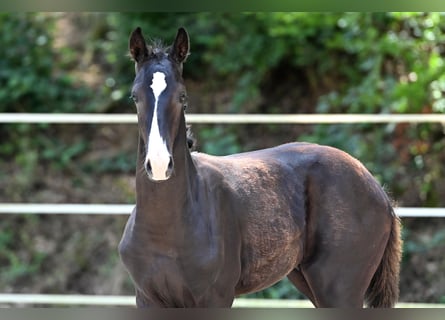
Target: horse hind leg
<point>321,298</point>
<point>298,280</point>
<point>335,288</point>
<point>349,274</point>
<point>339,275</point>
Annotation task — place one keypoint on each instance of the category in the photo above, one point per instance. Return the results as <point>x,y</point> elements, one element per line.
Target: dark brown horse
<point>206,229</point>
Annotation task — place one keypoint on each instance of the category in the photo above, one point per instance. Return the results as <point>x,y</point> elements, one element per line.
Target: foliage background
<point>253,62</point>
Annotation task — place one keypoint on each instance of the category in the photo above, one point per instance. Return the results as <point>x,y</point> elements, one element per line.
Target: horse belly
<point>270,252</point>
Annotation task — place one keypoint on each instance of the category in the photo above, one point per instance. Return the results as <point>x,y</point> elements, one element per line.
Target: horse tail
<point>383,291</point>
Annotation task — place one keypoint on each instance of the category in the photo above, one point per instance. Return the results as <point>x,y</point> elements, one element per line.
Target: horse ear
<point>138,46</point>
<point>181,46</point>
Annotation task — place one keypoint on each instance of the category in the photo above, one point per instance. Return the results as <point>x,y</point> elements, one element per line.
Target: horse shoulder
<point>211,172</point>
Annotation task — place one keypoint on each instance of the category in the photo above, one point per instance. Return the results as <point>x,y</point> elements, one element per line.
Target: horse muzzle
<point>159,168</point>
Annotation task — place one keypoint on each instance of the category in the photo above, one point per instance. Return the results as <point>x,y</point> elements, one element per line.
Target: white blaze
<point>157,152</point>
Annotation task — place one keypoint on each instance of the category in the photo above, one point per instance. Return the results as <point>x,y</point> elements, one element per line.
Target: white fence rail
<point>130,301</point>
<point>125,209</point>
<point>226,118</point>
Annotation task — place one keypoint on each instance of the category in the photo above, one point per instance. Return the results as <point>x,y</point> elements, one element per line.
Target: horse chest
<point>169,281</point>
<point>175,276</point>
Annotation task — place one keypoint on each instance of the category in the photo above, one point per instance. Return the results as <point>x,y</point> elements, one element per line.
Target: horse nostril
<point>170,165</point>
<point>148,166</point>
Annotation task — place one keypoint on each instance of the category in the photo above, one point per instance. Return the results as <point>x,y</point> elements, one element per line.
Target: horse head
<point>160,96</point>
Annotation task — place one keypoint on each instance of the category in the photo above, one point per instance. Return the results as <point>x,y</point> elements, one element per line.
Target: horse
<point>206,229</point>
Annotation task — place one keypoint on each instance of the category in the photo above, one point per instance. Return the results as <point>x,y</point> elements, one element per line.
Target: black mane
<point>157,48</point>
<point>191,141</point>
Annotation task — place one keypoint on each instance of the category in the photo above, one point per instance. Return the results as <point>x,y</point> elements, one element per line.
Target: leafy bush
<point>30,81</point>
<point>27,67</point>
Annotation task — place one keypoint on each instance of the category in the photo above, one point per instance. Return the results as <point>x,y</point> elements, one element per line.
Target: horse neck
<point>161,204</point>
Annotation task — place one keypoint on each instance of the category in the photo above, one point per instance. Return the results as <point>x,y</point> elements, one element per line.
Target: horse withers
<point>206,229</point>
